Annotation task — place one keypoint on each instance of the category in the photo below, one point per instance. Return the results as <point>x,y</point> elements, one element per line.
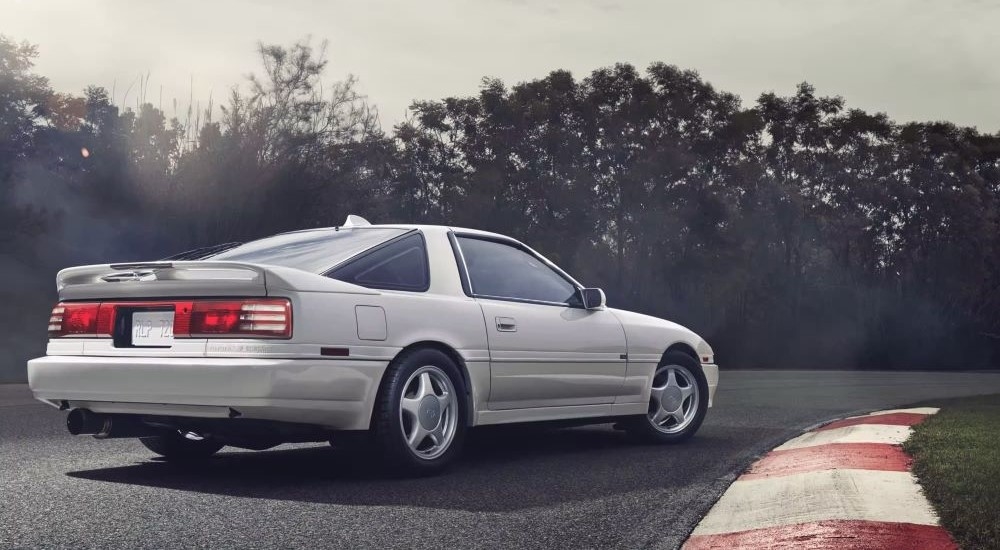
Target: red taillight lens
<point>258,318</point>
<point>82,319</point>
<point>215,317</point>
<point>270,318</point>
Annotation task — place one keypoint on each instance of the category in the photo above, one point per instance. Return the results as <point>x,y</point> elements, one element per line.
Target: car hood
<point>638,319</point>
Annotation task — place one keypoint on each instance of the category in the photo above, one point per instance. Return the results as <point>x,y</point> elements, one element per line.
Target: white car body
<point>559,362</point>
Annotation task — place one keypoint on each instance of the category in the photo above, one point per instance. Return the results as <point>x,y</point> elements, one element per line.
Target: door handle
<point>506,324</point>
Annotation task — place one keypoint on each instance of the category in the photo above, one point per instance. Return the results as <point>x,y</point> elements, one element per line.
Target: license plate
<point>153,328</point>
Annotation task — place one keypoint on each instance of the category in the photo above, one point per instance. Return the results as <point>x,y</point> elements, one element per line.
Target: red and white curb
<point>844,485</point>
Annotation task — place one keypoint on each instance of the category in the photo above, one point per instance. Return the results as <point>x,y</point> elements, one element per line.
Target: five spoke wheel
<point>673,399</point>
<point>428,412</point>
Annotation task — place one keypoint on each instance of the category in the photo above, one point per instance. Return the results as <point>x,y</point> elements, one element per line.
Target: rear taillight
<point>251,317</point>
<point>269,318</point>
<point>82,319</point>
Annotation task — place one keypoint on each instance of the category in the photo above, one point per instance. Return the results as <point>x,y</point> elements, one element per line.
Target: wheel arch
<point>684,348</point>
<point>452,354</point>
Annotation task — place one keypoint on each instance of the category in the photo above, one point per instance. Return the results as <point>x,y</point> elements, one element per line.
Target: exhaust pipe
<point>107,426</point>
<point>83,421</point>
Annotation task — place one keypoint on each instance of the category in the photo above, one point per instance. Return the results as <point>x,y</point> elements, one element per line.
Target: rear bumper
<point>338,394</point>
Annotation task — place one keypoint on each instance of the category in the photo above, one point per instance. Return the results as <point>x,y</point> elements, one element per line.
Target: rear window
<point>315,250</point>
<point>399,265</point>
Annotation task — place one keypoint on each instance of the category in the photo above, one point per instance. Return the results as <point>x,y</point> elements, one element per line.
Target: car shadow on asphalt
<point>503,468</point>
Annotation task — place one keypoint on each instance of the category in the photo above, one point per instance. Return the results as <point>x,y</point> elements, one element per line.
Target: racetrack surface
<point>516,487</point>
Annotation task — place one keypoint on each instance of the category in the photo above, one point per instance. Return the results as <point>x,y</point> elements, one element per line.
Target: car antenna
<point>354,221</point>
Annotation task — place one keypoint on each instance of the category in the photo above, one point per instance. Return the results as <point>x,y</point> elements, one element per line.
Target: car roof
<point>422,227</point>
<point>365,224</point>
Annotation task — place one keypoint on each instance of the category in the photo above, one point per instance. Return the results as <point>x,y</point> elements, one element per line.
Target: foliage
<point>25,99</point>
<point>793,232</point>
<point>957,459</point>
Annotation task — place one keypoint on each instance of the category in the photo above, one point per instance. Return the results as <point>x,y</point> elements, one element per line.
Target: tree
<point>292,150</point>
<point>24,102</point>
<point>789,231</point>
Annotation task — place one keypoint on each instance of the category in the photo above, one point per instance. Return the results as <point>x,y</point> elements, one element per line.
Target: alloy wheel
<point>428,412</point>
<point>673,399</point>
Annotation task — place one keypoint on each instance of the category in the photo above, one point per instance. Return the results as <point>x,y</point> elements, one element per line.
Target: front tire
<point>418,425</point>
<point>175,447</point>
<point>678,402</point>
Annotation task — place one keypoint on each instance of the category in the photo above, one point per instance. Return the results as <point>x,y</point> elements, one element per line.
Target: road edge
<point>843,483</point>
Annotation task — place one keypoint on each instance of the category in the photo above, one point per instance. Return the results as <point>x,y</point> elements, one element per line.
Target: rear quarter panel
<point>443,314</point>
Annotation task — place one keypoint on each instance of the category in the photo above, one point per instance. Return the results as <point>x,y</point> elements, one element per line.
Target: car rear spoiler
<point>190,279</point>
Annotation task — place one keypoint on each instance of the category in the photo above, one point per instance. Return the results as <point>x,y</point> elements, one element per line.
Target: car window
<point>504,271</point>
<point>314,250</point>
<point>399,265</point>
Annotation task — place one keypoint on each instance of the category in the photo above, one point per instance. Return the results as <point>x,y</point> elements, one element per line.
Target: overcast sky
<point>914,59</point>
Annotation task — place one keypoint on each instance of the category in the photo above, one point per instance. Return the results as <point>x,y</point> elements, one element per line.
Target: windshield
<point>314,250</point>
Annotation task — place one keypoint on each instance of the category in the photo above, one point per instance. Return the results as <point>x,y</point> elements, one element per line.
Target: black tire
<point>641,428</point>
<point>174,446</point>
<point>387,429</point>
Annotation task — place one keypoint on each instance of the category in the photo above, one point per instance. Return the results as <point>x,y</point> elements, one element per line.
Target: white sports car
<point>402,335</point>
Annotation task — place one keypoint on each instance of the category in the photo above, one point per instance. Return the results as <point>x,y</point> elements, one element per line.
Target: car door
<point>546,350</point>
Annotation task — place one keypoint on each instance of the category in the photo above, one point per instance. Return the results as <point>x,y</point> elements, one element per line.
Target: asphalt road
<point>515,487</point>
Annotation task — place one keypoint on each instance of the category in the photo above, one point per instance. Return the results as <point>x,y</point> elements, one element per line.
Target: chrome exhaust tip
<point>86,422</point>
<point>107,426</point>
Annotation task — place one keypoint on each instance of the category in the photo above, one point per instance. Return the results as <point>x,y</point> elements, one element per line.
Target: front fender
<point>648,338</point>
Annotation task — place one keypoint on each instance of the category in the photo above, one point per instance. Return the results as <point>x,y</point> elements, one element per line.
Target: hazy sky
<point>914,59</point>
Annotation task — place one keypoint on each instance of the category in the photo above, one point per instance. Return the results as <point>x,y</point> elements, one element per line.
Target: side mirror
<point>592,298</point>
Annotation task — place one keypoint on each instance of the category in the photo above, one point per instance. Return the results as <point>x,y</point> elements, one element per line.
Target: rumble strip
<point>844,485</point>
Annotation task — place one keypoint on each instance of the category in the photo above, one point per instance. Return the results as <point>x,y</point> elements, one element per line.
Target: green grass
<point>957,459</point>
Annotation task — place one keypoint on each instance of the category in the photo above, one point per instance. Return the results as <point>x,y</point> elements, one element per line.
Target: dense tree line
<point>793,232</point>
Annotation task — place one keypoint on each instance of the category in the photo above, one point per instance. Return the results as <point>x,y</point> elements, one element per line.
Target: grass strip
<point>957,459</point>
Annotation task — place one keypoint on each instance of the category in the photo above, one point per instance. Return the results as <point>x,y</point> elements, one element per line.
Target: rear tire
<point>678,402</point>
<point>419,422</point>
<point>175,447</point>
